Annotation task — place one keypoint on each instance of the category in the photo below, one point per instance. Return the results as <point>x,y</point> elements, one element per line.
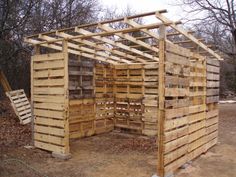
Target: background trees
<point>19,18</point>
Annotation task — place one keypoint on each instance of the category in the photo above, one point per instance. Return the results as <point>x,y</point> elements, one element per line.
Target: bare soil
<point>109,155</point>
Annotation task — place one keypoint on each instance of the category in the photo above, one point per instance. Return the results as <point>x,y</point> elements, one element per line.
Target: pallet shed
<point>154,79</point>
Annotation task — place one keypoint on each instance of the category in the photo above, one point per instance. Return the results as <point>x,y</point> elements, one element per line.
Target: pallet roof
<point>131,42</point>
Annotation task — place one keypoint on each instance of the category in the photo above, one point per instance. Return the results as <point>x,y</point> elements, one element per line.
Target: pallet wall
<point>50,101</point>
<point>104,98</point>
<point>197,109</point>
<point>150,100</point>
<point>176,109</point>
<point>189,119</point>
<point>81,94</point>
<point>129,91</point>
<point>212,114</point>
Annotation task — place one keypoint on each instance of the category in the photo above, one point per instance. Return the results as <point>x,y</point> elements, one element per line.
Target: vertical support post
<point>161,101</point>
<point>66,95</point>
<point>36,52</point>
<point>205,96</point>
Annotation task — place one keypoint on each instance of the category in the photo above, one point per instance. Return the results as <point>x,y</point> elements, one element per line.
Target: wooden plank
<point>212,121</point>
<point>52,106</point>
<point>48,98</point>
<point>195,144</point>
<point>49,82</point>
<point>213,76</point>
<point>197,134</point>
<point>49,90</point>
<point>197,152</point>
<point>174,134</point>
<point>212,113</point>
<point>48,57</point>
<point>176,69</point>
<point>196,126</point>
<point>172,145</point>
<point>211,128</point>
<point>49,130</point>
<point>49,113</point>
<point>175,154</point>
<point>48,73</point>
<point>49,147</point>
<point>196,109</point>
<point>211,143</point>
<point>177,103</point>
<point>196,117</point>
<point>212,99</point>
<point>174,123</point>
<point>213,69</point>
<point>213,62</point>
<point>177,112</point>
<point>176,92</point>
<point>177,50</point>
<point>161,103</point>
<point>49,139</point>
<point>177,59</point>
<point>212,92</point>
<point>49,122</point>
<point>213,84</point>
<point>49,65</point>
<point>172,167</point>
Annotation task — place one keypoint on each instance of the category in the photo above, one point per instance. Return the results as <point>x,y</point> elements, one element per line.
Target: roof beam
<point>130,38</point>
<point>111,42</point>
<point>100,47</point>
<point>104,22</point>
<point>187,41</point>
<point>85,49</point>
<point>56,47</point>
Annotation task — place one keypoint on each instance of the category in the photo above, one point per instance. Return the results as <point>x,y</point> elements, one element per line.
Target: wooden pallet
<point>21,105</point>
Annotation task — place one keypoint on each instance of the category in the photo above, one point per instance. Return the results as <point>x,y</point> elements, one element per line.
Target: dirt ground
<point>109,155</point>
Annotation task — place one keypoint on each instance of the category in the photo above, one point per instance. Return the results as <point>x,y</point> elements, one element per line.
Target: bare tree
<point>215,20</point>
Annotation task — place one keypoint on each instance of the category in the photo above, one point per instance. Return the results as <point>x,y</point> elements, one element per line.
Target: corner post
<point>161,100</point>
<point>36,52</point>
<point>66,96</point>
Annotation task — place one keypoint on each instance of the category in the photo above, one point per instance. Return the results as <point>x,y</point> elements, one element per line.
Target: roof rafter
<point>111,42</point>
<point>129,38</point>
<point>86,49</point>
<point>186,34</point>
<point>56,47</point>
